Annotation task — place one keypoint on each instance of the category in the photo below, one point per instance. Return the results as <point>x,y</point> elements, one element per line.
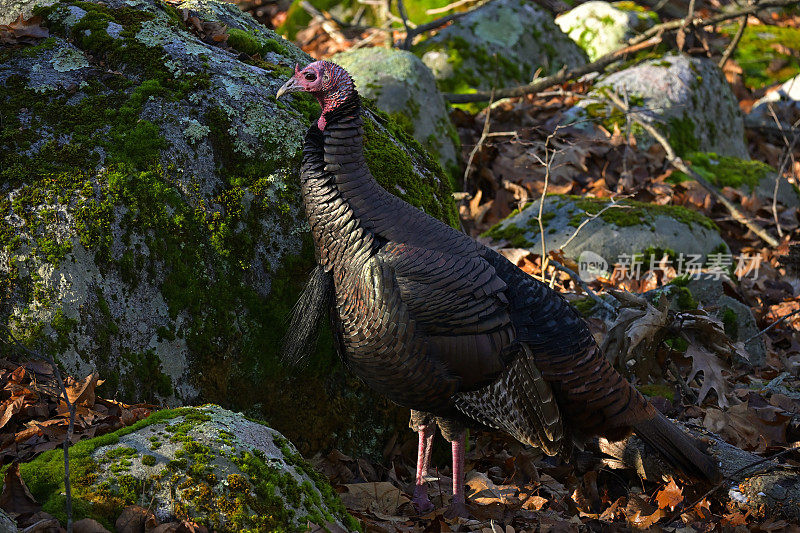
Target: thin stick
<point>70,427</point>
<point>613,203</point>
<point>678,163</point>
<point>448,7</point>
<point>484,134</point>
<point>644,40</point>
<point>558,78</point>
<point>435,24</point>
<point>401,8</point>
<point>734,43</point>
<point>589,292</point>
<point>548,160</point>
<point>766,329</point>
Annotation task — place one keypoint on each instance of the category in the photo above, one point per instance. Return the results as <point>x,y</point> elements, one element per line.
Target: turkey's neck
<point>339,192</point>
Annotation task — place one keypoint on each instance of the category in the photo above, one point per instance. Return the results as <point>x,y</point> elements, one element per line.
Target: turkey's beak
<point>290,86</point>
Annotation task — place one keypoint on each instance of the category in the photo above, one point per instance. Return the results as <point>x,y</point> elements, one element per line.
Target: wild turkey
<point>444,325</point>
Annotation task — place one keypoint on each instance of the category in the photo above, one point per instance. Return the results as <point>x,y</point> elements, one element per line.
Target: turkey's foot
<point>421,501</point>
<point>456,510</point>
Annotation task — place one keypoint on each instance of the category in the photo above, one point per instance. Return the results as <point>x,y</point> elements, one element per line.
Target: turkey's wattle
<point>446,326</point>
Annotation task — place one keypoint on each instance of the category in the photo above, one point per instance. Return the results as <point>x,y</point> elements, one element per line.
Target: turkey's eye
<point>310,76</point>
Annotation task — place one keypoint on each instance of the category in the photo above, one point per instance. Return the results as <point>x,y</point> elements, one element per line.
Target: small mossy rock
<point>750,177</point>
<point>686,98</point>
<point>600,28</point>
<point>403,87</point>
<point>151,225</point>
<point>503,43</point>
<point>205,464</point>
<point>767,54</point>
<point>784,102</point>
<point>618,232</point>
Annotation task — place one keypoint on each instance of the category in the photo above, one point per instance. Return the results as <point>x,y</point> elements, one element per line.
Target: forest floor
<point>510,488</point>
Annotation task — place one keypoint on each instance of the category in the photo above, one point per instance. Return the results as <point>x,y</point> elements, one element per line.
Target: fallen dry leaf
<point>16,499</point>
<point>23,31</point>
<point>381,497</point>
<point>670,496</point>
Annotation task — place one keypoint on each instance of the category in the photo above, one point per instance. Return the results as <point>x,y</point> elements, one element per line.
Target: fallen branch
<point>756,484</point>
<point>484,134</point>
<point>775,323</point>
<point>734,43</point>
<point>648,38</point>
<point>558,78</point>
<point>678,163</point>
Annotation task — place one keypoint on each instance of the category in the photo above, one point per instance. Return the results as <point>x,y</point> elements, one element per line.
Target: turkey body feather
<point>444,325</point>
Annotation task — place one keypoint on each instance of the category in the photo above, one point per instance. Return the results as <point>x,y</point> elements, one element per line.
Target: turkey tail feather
<point>677,447</point>
<point>307,315</point>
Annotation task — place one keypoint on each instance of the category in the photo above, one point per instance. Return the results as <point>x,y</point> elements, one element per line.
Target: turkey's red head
<point>328,82</point>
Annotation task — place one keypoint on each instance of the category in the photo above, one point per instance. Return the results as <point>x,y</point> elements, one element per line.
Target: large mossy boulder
<point>503,43</point>
<point>600,28</point>
<point>613,233</point>
<point>405,88</point>
<point>205,464</point>
<point>686,98</point>
<point>151,225</point>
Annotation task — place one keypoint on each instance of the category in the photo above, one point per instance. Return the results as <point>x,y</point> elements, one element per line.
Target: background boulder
<point>503,43</point>
<point>405,88</point>
<point>686,98</point>
<point>150,218</point>
<point>600,28</point>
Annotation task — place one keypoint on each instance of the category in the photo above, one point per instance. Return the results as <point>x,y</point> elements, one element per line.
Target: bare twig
<point>775,323</point>
<point>558,78</point>
<point>401,8</point>
<point>548,160</point>
<point>589,292</point>
<point>734,43</point>
<point>448,7</point>
<point>678,163</point>
<point>435,24</point>
<point>787,156</point>
<point>648,38</point>
<point>613,204</point>
<point>70,407</point>
<point>484,134</point>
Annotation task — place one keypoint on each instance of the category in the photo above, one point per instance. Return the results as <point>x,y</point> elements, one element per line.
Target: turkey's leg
<point>421,501</point>
<point>458,506</point>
